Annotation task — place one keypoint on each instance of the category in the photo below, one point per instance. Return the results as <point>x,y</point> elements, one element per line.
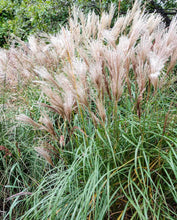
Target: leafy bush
<point>109,125</point>
<point>26,17</point>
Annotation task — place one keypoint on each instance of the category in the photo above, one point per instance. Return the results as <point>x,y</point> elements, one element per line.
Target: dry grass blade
<point>19,194</point>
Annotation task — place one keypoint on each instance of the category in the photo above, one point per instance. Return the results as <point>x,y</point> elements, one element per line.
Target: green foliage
<point>18,161</point>
<point>127,168</point>
<point>26,17</point>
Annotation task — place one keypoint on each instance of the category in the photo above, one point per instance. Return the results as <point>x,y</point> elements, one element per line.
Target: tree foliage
<point>24,17</point>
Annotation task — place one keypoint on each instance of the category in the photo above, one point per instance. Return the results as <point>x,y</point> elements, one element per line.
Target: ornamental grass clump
<point>93,61</point>
<point>111,138</point>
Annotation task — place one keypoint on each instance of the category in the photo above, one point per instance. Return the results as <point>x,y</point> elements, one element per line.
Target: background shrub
<point>26,17</point>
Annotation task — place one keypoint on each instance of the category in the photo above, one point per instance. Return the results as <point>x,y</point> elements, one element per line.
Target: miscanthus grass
<point>107,128</point>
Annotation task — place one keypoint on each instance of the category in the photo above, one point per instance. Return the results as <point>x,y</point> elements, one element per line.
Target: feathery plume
<point>48,125</point>
<point>101,109</point>
<point>43,152</point>
<point>28,120</point>
<point>33,44</point>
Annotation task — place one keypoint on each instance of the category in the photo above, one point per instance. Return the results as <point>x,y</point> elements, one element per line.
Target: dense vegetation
<point>88,116</point>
